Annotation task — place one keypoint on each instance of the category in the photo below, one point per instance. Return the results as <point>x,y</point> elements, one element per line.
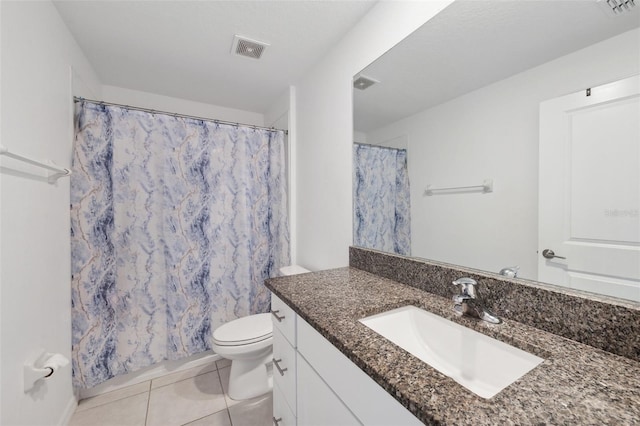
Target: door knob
<point>549,254</point>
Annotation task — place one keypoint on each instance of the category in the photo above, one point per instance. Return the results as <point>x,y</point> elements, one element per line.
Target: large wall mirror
<point>462,153</point>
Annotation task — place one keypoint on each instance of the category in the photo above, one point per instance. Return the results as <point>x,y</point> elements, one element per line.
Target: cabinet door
<point>317,404</point>
<point>365,398</point>
<point>284,368</point>
<point>282,415</point>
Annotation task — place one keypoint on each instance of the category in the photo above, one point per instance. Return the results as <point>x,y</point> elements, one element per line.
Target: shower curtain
<point>381,199</point>
<point>175,224</point>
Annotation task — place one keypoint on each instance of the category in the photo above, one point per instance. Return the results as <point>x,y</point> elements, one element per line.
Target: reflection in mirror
<point>381,200</point>
<point>479,93</point>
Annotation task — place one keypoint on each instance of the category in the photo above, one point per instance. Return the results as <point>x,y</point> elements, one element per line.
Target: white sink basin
<point>481,364</point>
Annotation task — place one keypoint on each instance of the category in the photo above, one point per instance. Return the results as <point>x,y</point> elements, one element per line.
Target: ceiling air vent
<point>362,82</point>
<point>247,47</point>
<point>617,7</point>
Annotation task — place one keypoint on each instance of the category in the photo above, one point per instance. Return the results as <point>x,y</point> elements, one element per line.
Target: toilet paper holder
<point>42,366</point>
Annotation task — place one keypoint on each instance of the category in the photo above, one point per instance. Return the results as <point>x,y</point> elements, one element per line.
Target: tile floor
<point>194,397</point>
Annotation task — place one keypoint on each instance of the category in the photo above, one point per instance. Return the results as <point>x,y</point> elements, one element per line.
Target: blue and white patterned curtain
<point>381,199</point>
<point>175,224</point>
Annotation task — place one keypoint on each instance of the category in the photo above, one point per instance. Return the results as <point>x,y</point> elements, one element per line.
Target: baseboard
<point>68,411</point>
<point>149,373</point>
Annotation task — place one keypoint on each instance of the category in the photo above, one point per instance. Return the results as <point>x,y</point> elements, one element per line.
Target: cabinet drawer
<point>284,368</point>
<point>282,415</point>
<point>284,319</point>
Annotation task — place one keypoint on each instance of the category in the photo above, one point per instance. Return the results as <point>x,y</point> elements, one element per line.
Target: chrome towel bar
<point>486,187</point>
<point>59,171</point>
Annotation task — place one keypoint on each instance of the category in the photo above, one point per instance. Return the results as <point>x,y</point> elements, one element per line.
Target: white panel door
<point>589,186</point>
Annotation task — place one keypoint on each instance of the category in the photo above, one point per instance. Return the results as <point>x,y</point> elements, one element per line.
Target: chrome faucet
<point>468,304</point>
<point>510,271</point>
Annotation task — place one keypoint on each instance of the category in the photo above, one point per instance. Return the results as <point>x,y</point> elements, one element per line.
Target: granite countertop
<point>576,383</point>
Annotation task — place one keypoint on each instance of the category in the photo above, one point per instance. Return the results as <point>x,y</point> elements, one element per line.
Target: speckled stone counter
<point>576,384</point>
<point>600,321</point>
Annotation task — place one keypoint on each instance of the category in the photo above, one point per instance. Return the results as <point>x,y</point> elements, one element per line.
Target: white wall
<point>37,117</point>
<point>277,115</point>
<point>325,130</point>
<point>282,115</point>
<point>493,133</point>
<point>359,137</point>
<point>398,141</point>
<point>137,98</point>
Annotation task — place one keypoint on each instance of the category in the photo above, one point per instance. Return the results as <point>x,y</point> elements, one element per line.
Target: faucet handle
<point>467,287</point>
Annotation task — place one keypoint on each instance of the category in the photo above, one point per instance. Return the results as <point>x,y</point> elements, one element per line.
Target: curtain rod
<point>379,146</point>
<point>174,114</point>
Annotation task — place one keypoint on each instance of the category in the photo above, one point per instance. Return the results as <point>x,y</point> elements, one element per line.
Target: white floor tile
<point>253,412</point>
<point>193,397</point>
<point>112,396</point>
<point>129,411</point>
<point>224,379</point>
<point>182,375</point>
<point>185,401</point>
<point>221,418</point>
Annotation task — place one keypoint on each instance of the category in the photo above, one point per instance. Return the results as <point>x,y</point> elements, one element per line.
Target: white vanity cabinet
<point>284,363</point>
<point>321,386</point>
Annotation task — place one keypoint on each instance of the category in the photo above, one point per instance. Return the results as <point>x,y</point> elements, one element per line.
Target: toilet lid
<point>245,330</point>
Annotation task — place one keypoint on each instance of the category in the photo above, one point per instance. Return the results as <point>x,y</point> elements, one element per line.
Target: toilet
<point>248,343</point>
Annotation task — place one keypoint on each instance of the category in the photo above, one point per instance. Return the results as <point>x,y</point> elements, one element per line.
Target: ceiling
<point>471,44</point>
<point>183,48</point>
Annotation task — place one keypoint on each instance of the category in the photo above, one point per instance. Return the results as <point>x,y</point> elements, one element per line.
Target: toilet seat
<point>244,331</point>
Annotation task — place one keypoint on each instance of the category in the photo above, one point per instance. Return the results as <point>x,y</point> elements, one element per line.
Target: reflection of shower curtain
<point>381,213</point>
<point>175,224</point>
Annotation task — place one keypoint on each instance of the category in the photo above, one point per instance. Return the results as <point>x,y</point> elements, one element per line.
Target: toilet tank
<point>293,270</point>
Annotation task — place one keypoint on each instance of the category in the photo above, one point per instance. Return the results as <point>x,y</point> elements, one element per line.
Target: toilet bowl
<point>248,343</point>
